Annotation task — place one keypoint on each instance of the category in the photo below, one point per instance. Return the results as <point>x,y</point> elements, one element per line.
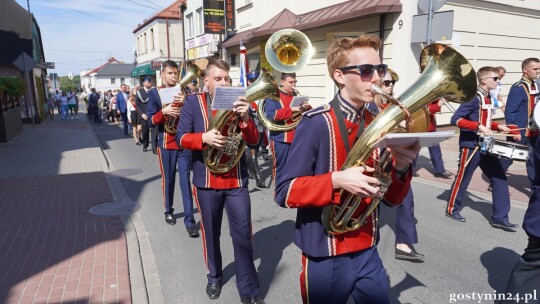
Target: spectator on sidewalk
<point>50,106</point>
<point>142,103</point>
<point>134,118</point>
<point>121,106</point>
<point>93,103</point>
<point>72,101</point>
<point>64,105</point>
<point>57,96</point>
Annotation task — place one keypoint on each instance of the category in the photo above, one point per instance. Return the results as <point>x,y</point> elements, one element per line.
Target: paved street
<point>460,257</point>
<point>53,250</point>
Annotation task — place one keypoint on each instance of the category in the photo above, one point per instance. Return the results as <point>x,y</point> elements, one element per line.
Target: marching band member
<point>519,111</point>
<point>335,266</point>
<point>251,152</point>
<point>435,153</point>
<point>405,229</point>
<point>170,154</point>
<point>215,192</point>
<point>524,277</point>
<point>473,117</point>
<point>281,112</point>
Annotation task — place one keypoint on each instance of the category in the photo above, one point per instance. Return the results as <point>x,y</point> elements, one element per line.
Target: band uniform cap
<point>252,75</point>
<point>147,79</point>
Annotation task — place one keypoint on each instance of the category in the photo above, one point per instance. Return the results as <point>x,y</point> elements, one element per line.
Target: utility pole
<point>28,3</point>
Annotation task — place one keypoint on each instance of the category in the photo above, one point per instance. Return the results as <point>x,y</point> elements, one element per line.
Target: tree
<point>67,84</point>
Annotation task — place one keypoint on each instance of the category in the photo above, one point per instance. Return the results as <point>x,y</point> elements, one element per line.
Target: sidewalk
<point>52,249</point>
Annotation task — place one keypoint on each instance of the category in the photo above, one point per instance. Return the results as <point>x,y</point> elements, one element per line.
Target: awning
<point>143,70</point>
<point>323,17</point>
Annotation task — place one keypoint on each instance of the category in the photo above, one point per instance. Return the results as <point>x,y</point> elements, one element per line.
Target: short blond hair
<point>337,52</point>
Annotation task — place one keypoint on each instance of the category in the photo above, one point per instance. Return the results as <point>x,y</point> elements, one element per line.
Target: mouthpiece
<point>375,89</point>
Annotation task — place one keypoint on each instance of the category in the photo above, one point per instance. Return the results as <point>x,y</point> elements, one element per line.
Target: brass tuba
<point>226,122</point>
<point>193,72</point>
<point>287,50</point>
<point>446,73</point>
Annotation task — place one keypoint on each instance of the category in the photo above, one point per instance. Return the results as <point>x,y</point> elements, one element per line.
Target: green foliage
<point>67,84</point>
<point>13,86</point>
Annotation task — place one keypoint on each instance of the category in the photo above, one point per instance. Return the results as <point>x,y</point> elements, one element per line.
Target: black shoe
<point>144,149</point>
<point>170,219</point>
<point>192,232</point>
<point>445,174</point>
<point>415,174</point>
<point>137,144</point>
<point>456,217</point>
<point>260,184</point>
<point>251,300</point>
<point>413,255</point>
<point>490,188</point>
<point>213,290</point>
<point>507,226</point>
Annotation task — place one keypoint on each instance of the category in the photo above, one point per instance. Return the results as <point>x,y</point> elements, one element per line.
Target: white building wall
<point>496,32</point>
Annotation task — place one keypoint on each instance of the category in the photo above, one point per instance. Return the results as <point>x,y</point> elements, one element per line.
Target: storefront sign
<point>229,16</point>
<point>214,16</point>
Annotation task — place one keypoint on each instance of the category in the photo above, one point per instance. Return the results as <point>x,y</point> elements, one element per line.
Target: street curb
<point>143,275</point>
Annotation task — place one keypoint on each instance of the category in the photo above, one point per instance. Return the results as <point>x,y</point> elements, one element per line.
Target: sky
<point>83,34</point>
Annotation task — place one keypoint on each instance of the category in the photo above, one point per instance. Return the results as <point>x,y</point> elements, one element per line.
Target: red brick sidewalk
<point>52,250</point>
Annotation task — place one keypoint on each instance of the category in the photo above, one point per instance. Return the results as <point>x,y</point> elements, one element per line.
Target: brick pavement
<point>52,250</point>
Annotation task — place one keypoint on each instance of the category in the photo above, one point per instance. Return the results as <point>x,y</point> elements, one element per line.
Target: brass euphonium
<point>193,72</point>
<point>226,122</point>
<point>446,73</point>
<point>287,51</point>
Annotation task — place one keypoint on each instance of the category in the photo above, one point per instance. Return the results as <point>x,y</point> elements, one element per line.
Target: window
<point>145,44</point>
<point>189,30</point>
<point>122,80</point>
<point>199,22</point>
<point>138,46</point>
<point>113,80</point>
<point>152,39</point>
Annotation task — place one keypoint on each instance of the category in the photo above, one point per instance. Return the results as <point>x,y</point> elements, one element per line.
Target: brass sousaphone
<point>446,73</point>
<point>193,72</point>
<point>287,51</point>
<point>226,122</point>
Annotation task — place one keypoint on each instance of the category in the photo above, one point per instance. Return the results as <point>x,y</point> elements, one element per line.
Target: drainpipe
<point>183,10</point>
<point>168,44</point>
<point>381,35</point>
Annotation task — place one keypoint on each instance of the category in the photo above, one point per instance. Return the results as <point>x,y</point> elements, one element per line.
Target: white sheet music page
<point>224,97</point>
<point>167,94</point>
<point>426,139</point>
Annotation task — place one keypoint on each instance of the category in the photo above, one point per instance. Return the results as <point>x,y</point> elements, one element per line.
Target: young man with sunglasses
<point>336,266</point>
<point>475,117</point>
<point>519,111</point>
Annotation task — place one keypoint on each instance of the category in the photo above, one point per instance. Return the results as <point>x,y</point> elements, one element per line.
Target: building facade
<point>485,32</point>
<point>157,39</point>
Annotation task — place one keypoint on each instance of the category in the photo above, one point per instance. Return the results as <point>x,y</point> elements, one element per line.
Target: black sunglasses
<point>494,78</point>
<point>387,83</point>
<point>367,70</point>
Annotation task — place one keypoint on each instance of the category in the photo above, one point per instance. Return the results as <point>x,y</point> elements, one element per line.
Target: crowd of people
<point>341,264</point>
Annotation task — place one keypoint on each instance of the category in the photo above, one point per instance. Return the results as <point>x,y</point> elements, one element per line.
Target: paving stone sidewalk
<point>52,250</point>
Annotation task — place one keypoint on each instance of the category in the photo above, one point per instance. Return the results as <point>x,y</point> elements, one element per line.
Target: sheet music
<point>167,94</point>
<point>298,100</point>
<point>224,97</point>
<point>426,139</point>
